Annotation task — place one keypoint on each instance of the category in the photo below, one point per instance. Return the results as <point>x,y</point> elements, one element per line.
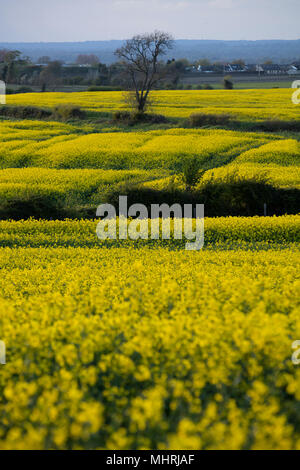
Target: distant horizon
<point>126,38</point>
<point>260,50</point>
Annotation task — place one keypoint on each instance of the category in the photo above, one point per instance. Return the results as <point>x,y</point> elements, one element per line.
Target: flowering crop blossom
<point>149,346</point>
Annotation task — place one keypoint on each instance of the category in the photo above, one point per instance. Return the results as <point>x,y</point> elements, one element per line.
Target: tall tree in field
<point>140,56</point>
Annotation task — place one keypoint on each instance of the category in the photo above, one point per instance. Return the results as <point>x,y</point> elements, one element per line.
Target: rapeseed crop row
<point>82,186</point>
<point>62,147</point>
<point>225,231</point>
<point>127,348</point>
<point>251,105</point>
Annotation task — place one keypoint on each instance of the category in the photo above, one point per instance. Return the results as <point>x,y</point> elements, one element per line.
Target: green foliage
<point>65,112</point>
<point>121,116</point>
<point>202,119</point>
<point>22,89</point>
<point>192,172</point>
<point>228,83</point>
<point>138,117</point>
<point>104,88</point>
<point>26,205</point>
<point>233,196</point>
<point>277,125</point>
<point>24,112</point>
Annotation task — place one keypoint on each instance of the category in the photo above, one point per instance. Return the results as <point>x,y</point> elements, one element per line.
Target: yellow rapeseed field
<point>253,105</point>
<point>58,145</point>
<point>122,344</point>
<point>63,146</point>
<point>83,186</point>
<point>150,347</point>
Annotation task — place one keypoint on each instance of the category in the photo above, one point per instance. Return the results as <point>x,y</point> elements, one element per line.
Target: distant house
<point>259,69</point>
<point>273,69</point>
<point>208,69</point>
<point>294,70</point>
<point>199,69</point>
<point>235,68</point>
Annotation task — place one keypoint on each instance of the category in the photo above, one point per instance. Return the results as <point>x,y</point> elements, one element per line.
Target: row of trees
<point>50,74</point>
<point>82,59</point>
<point>140,67</point>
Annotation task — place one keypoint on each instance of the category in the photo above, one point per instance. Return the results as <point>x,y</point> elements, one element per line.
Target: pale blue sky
<point>82,20</point>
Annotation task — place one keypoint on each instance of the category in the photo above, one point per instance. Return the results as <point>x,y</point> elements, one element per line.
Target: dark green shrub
<point>65,112</point>
<point>24,206</point>
<point>192,172</point>
<point>136,117</point>
<point>228,83</point>
<point>24,112</point>
<point>276,125</point>
<point>239,196</point>
<point>202,119</point>
<point>121,116</point>
<point>147,196</point>
<point>233,196</point>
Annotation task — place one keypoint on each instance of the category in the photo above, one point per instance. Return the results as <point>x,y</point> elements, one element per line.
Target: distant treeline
<point>278,51</point>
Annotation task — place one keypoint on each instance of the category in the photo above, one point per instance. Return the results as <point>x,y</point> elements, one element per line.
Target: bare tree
<point>50,76</point>
<point>140,56</point>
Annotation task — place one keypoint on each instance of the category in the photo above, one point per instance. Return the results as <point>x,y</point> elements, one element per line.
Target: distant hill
<point>251,51</point>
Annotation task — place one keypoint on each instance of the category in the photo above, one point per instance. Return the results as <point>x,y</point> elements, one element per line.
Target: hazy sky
<point>82,20</point>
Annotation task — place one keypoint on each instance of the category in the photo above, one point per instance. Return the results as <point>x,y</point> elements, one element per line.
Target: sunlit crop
<point>253,105</point>
<point>73,186</point>
<point>62,147</point>
<point>281,152</point>
<point>133,348</point>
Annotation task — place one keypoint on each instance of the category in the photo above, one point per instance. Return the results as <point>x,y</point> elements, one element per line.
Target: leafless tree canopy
<point>141,56</point>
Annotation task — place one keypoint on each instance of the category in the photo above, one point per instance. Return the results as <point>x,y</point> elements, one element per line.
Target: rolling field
<point>253,105</point>
<point>25,144</point>
<point>79,166</point>
<point>142,344</point>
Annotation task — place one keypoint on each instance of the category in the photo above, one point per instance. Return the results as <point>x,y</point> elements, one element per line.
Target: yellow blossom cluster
<point>143,346</point>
